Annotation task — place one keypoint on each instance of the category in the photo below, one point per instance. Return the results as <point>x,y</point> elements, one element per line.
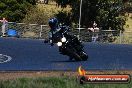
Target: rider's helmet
<point>53,23</point>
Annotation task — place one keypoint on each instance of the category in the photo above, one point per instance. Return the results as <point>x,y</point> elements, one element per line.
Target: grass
<point>55,82</point>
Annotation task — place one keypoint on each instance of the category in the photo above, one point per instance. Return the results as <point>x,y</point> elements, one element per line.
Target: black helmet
<point>53,22</point>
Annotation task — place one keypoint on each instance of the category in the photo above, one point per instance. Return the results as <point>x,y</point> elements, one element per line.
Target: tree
<point>15,10</point>
<point>33,2</point>
<point>107,13</point>
<point>64,17</point>
<point>62,3</point>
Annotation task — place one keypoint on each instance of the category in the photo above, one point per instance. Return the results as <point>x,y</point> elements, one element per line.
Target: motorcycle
<point>69,44</point>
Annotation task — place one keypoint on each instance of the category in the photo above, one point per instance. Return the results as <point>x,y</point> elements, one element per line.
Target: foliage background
<point>109,14</point>
<point>15,10</point>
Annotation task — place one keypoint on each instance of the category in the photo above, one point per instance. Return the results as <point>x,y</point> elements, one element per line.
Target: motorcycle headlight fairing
<point>63,39</point>
<point>59,44</point>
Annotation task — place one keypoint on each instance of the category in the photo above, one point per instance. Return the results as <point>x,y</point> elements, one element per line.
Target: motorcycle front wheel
<point>72,54</point>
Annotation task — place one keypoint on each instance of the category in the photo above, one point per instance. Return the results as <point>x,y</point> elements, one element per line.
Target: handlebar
<point>64,28</point>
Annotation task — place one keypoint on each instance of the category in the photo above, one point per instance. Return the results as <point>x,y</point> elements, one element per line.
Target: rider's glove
<point>52,44</point>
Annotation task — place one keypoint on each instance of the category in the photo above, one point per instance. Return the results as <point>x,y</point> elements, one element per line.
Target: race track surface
<point>29,54</point>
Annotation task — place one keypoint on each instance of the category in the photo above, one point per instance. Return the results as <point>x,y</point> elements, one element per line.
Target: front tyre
<point>76,56</point>
<point>72,54</point>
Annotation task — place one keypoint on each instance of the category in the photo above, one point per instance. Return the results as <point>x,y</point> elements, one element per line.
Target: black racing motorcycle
<point>69,44</point>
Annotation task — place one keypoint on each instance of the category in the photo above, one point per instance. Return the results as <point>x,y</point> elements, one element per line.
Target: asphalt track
<point>31,54</point>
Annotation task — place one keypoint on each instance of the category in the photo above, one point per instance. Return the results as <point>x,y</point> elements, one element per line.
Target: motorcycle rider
<point>53,24</point>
